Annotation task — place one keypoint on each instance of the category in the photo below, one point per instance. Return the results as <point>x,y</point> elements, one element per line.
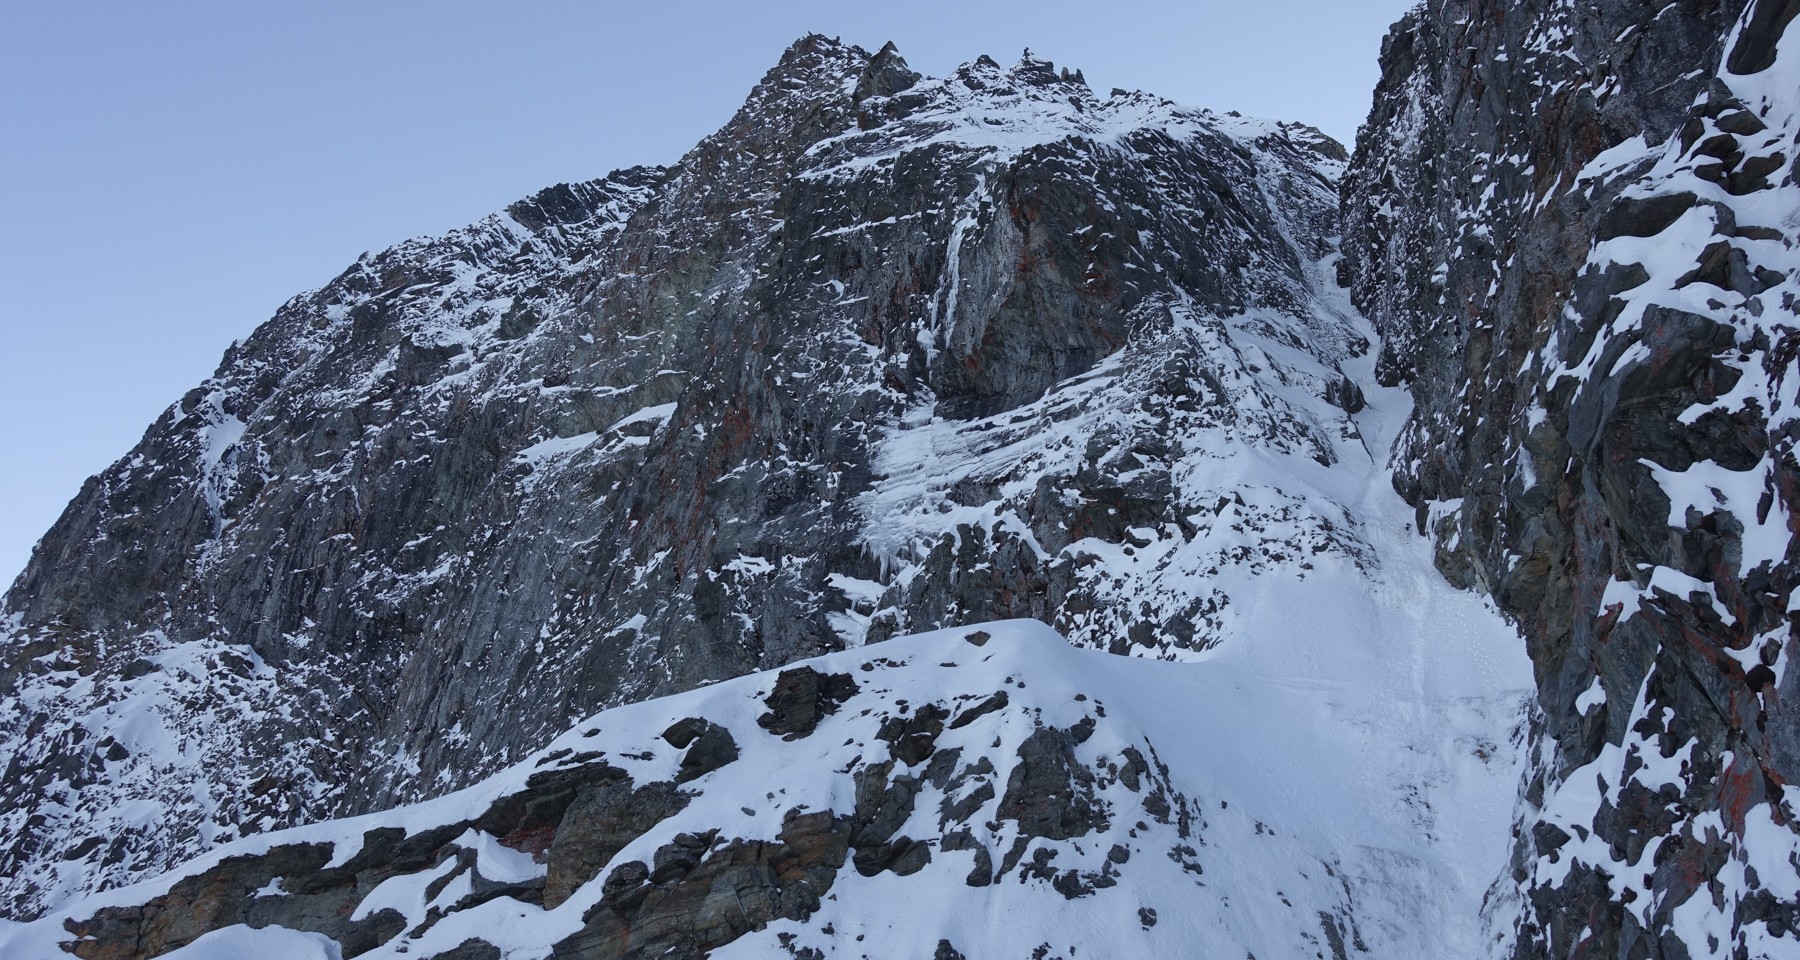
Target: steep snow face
<point>666,428</point>
<point>985,791</point>
<point>1598,311</point>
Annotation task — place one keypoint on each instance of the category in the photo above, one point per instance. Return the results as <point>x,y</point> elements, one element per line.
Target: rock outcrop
<point>1574,226</point>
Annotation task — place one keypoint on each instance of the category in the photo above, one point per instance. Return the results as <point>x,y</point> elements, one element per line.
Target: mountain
<point>882,355</point>
<point>638,571</point>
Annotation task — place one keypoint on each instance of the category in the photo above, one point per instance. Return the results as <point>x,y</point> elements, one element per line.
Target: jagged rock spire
<point>886,74</point>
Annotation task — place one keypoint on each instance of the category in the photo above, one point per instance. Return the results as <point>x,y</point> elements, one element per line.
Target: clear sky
<point>171,172</point>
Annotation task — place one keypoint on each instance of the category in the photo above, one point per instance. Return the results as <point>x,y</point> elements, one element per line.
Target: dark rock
<point>1050,793</point>
<point>801,698</point>
<point>1134,770</point>
<point>220,897</point>
<point>911,738</point>
<point>471,949</point>
<point>882,808</point>
<point>1346,395</point>
<point>1754,51</point>
<point>682,732</point>
<point>1643,216</point>
<point>737,887</point>
<point>711,750</point>
<point>959,811</point>
<point>529,819</point>
<point>994,703</point>
<point>885,75</point>
<point>625,887</point>
<point>1548,837</point>
<point>601,821</point>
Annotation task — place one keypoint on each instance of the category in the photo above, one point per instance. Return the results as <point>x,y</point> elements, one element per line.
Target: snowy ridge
<point>1000,113</point>
<point>1276,837</point>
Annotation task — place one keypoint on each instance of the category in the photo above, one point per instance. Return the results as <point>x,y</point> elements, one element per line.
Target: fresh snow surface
<point>240,943</point>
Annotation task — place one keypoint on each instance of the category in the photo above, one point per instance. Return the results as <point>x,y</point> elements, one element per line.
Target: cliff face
<point>884,353</point>
<point>1574,226</point>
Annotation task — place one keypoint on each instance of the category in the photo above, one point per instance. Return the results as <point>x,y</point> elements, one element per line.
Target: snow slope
<point>1287,822</point>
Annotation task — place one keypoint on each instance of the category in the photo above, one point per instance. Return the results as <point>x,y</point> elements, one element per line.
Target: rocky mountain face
<point>885,353</point>
<point>891,354</point>
<point>1574,227</point>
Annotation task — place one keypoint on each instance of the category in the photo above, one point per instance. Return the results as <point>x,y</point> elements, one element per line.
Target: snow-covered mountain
<point>885,353</point>
<point>637,571</point>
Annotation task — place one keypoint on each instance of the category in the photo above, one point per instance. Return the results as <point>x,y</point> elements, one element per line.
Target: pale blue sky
<point>170,172</point>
